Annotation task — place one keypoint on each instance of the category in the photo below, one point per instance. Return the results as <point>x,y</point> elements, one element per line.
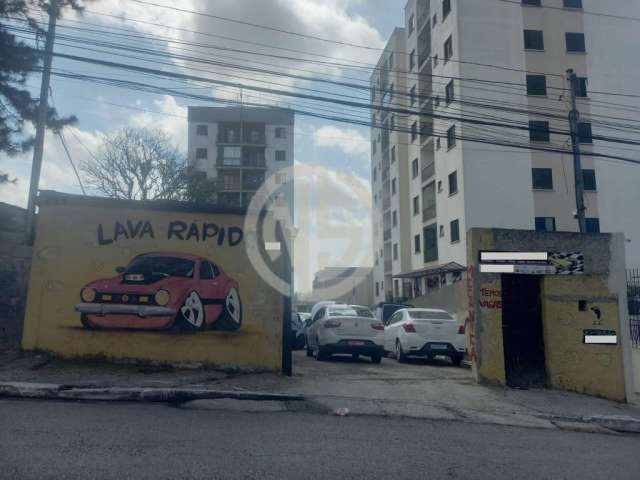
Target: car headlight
<point>162,297</point>
<point>88,295</point>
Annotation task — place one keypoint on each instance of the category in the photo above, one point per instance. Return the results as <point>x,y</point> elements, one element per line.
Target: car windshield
<point>342,312</point>
<point>362,311</point>
<point>429,315</point>
<point>165,266</point>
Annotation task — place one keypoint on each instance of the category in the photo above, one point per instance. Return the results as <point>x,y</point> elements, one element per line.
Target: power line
<point>585,12</point>
<point>152,89</point>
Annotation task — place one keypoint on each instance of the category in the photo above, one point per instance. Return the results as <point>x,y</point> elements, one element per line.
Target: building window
<point>410,23</point>
<point>416,244</point>
<point>581,87</point>
<point>416,205</point>
<point>375,173</point>
<point>435,20</point>
<point>430,239</point>
<point>281,132</point>
<point>446,8</point>
<point>572,3</point>
<point>536,3</point>
<point>545,224</point>
<point>593,225</point>
<point>414,168</point>
<point>441,231</point>
<point>393,154</point>
<point>391,60</point>
<point>584,132</point>
<point>539,131</point>
<point>435,60</point>
<point>201,154</point>
<point>589,179</point>
<point>414,131</point>
<point>575,42</point>
<point>448,92</point>
<point>453,183</point>
<point>377,289</point>
<point>412,60</point>
<point>392,123</point>
<point>536,85</point>
<point>451,137</point>
<point>448,49</point>
<point>437,143</point>
<point>232,156</point>
<point>412,95</point>
<point>281,178</point>
<point>439,186</point>
<point>202,130</point>
<point>455,231</point>
<point>393,186</point>
<point>281,156</point>
<point>542,178</point>
<point>533,40</point>
<point>395,218</point>
<point>395,251</point>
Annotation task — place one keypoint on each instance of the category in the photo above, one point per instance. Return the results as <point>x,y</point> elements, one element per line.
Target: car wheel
<point>400,356</point>
<point>309,350</point>
<point>190,316</point>
<point>319,353</point>
<point>456,360</point>
<point>376,358</point>
<point>231,317</point>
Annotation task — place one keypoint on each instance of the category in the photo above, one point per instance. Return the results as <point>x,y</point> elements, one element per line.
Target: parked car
<point>159,291</point>
<point>383,311</point>
<point>424,332</point>
<point>297,332</point>
<point>319,305</point>
<point>336,329</point>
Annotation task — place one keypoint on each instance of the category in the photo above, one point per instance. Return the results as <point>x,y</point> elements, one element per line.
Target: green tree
<point>17,61</point>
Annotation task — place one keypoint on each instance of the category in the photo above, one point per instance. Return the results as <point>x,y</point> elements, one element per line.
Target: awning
<point>451,267</point>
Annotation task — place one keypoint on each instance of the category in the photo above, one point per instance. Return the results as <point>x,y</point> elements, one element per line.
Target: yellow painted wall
<point>489,344</point>
<point>570,364</point>
<point>67,256</point>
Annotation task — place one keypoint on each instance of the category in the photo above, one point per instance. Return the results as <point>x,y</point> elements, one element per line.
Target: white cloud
<point>349,140</point>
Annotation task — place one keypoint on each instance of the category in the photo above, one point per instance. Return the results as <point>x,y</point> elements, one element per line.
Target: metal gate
<point>633,296</point>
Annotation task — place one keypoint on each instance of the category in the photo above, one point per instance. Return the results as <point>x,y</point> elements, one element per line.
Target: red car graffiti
<point>160,291</point>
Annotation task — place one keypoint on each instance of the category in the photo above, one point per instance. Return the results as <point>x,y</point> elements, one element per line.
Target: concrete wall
<point>635,360</point>
<point>79,243</point>
<point>598,370</point>
<point>452,298</point>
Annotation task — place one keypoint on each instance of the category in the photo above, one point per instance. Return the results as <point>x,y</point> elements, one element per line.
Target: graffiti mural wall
<point>129,280</point>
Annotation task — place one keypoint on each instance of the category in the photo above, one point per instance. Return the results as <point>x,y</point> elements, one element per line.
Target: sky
<point>332,161</point>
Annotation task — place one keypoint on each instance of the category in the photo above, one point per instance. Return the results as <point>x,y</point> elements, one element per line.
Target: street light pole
<point>574,117</point>
<point>43,108</point>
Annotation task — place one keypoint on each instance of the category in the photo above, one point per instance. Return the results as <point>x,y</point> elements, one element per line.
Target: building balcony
<point>428,213</point>
<point>428,172</point>
<point>388,266</point>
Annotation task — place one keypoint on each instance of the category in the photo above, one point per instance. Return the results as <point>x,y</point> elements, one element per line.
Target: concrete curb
<point>617,423</point>
<point>51,391</point>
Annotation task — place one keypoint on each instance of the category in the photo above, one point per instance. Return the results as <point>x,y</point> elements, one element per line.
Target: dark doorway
<point>522,331</point>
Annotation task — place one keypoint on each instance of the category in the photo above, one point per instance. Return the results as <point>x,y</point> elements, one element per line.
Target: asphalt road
<point>55,440</point>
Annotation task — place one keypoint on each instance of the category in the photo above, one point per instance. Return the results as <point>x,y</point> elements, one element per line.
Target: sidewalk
<point>420,389</point>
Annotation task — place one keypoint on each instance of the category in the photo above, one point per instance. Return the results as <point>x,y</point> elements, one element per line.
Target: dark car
<point>383,311</point>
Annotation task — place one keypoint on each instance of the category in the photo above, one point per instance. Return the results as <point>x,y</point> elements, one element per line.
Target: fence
<point>633,297</point>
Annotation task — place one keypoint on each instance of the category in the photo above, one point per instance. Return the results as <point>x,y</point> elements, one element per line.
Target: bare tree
<point>138,164</point>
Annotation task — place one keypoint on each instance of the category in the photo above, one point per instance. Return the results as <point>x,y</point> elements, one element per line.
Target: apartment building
<point>240,147</point>
<point>462,62</point>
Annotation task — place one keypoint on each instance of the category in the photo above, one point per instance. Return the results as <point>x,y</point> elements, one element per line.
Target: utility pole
<point>574,118</point>
<point>43,108</point>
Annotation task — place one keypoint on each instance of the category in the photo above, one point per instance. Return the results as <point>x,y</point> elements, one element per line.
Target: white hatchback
<point>424,332</point>
<point>344,329</point>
